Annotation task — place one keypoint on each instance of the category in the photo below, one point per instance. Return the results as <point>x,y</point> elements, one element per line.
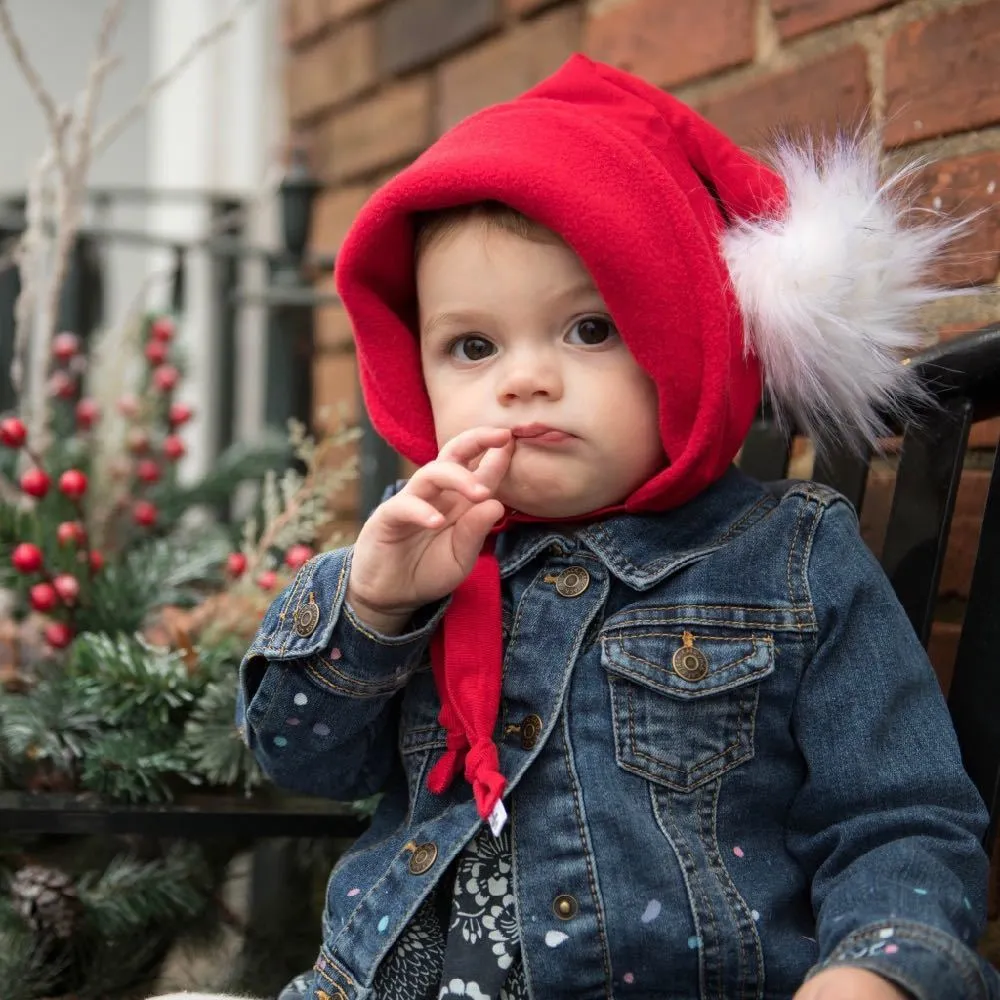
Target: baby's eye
<point>591,331</point>
<point>471,348</point>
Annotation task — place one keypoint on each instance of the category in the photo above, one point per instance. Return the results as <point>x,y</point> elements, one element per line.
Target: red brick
<point>831,92</point>
<point>333,327</point>
<point>796,17</point>
<point>345,8</point>
<point>961,187</point>
<point>417,32</point>
<point>333,214</point>
<point>504,67</point>
<point>941,74</point>
<point>671,42</point>
<point>528,6</point>
<point>942,651</point>
<point>335,389</point>
<point>389,127</point>
<point>335,384</point>
<point>960,556</point>
<point>301,19</point>
<point>338,66</point>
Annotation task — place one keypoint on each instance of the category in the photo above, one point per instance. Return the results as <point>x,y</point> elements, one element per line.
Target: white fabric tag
<point>498,818</point>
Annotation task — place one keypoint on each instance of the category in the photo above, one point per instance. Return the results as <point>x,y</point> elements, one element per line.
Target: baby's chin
<point>551,500</point>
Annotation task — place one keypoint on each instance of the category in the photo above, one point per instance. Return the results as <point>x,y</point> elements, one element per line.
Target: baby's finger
<point>405,509</point>
<point>464,448</point>
<point>494,465</point>
<point>430,481</point>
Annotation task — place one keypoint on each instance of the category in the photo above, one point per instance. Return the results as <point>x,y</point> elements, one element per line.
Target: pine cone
<point>47,900</point>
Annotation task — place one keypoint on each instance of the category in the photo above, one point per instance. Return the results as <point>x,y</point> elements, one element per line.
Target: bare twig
<point>109,132</point>
<point>54,116</point>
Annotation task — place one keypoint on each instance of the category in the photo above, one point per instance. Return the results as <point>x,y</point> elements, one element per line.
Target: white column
<point>210,130</point>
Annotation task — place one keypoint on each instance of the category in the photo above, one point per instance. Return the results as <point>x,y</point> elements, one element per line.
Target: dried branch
<point>55,117</point>
<point>109,132</point>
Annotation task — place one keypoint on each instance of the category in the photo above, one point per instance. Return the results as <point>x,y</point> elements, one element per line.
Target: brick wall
<point>371,82</point>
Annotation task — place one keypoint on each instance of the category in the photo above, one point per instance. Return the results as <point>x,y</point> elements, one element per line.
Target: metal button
<point>565,907</point>
<point>423,858</point>
<point>531,729</point>
<point>689,662</point>
<point>306,618</point>
<point>572,582</point>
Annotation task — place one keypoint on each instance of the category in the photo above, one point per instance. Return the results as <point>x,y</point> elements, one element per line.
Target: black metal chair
<point>964,377</point>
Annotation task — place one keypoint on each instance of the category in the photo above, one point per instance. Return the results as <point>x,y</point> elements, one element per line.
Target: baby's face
<point>514,334</point>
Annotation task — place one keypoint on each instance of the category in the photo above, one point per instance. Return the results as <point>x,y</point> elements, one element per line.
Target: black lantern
<point>297,192</point>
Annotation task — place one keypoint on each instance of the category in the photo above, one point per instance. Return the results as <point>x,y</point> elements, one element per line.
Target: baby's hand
<point>423,542</point>
<point>847,983</point>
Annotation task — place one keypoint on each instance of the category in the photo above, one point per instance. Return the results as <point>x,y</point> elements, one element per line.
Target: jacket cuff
<point>311,623</point>
<point>926,962</point>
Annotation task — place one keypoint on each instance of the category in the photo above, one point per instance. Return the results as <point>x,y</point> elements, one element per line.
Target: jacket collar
<point>643,549</point>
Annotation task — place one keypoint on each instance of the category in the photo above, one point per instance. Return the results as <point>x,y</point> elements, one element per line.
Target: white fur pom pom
<point>828,292</point>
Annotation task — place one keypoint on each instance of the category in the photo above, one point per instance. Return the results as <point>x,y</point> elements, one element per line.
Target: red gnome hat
<point>709,262</point>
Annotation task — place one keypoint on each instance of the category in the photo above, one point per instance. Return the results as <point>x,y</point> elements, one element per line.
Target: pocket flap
<point>646,656</point>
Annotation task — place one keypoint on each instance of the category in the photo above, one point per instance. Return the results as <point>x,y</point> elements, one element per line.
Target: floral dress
<point>473,951</point>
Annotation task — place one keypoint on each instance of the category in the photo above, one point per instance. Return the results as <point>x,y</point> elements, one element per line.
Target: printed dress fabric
<point>474,951</point>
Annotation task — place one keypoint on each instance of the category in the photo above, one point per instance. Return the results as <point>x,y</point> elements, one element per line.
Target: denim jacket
<point>729,762</point>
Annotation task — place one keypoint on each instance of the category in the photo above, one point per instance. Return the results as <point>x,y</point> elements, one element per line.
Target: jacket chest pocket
<point>683,704</point>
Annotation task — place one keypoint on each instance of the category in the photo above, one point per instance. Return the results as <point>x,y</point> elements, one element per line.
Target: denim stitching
<point>689,864</point>
<point>741,911</point>
<point>587,855</point>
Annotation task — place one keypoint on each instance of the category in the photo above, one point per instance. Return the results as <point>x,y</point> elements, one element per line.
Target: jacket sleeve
<point>887,820</point>
<point>317,687</point>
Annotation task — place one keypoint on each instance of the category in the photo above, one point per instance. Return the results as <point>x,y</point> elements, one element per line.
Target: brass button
<point>572,582</point>
<point>565,907</point>
<point>306,618</point>
<point>531,729</point>
<point>423,858</point>
<point>689,662</point>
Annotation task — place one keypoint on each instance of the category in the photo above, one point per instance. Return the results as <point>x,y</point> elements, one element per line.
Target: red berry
<point>148,471</point>
<point>173,447</point>
<point>43,597</point>
<point>58,635</point>
<point>156,352</point>
<point>166,377</point>
<point>67,587</point>
<point>267,579</point>
<point>128,406</point>
<point>73,483</point>
<point>297,556</point>
<point>236,564</point>
<point>65,346</point>
<point>137,440</point>
<point>87,412</point>
<point>96,561</point>
<point>62,385</point>
<point>145,513</point>
<point>35,482</point>
<point>162,329</point>
<point>180,413</point>
<point>70,533</point>
<point>27,558</point>
<point>13,433</point>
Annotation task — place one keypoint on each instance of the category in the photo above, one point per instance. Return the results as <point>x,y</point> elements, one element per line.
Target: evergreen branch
<point>212,742</point>
<point>131,683</point>
<point>131,766</point>
<point>131,896</point>
<point>49,723</point>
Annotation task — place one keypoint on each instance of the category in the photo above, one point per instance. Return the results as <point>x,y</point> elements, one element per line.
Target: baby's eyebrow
<point>451,318</point>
